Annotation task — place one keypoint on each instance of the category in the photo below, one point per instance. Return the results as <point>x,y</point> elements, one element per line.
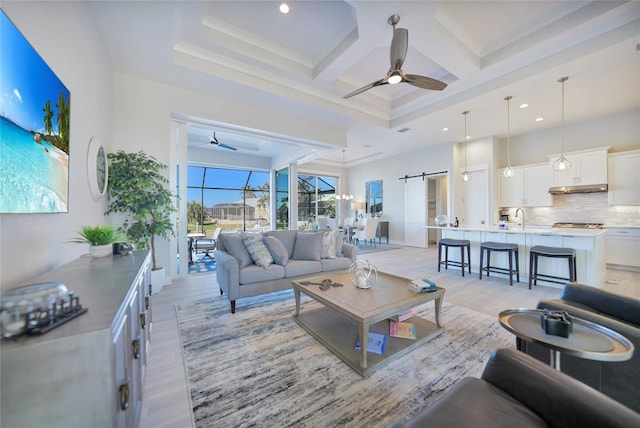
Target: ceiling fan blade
<point>399,45</point>
<point>425,82</point>
<point>226,146</point>
<point>367,87</point>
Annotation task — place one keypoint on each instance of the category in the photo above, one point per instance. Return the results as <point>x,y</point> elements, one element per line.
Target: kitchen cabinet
<point>624,178</point>
<point>587,167</point>
<point>90,370</point>
<point>623,247</point>
<point>529,187</point>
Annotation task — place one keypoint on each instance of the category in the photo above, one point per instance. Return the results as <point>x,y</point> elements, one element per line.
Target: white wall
<point>62,34</point>
<point>430,159</point>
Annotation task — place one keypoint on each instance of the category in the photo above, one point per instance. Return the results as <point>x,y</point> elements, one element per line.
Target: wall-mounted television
<point>34,129</point>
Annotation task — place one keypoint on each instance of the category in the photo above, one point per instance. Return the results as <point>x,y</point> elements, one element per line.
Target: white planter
<point>157,280</point>
<point>101,250</point>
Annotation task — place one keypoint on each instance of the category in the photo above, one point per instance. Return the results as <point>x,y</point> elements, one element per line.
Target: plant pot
<point>157,280</point>
<point>101,250</point>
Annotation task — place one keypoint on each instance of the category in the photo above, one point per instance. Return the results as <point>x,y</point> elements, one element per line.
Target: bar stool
<point>553,252</point>
<point>459,243</point>
<point>511,249</point>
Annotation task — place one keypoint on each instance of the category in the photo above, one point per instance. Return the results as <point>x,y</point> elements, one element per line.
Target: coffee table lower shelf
<point>340,334</point>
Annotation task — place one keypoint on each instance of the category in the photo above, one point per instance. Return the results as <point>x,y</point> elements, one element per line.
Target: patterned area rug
<point>202,265</point>
<point>258,368</point>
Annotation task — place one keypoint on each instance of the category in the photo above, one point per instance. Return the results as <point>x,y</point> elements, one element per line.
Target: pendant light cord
<point>508,132</point>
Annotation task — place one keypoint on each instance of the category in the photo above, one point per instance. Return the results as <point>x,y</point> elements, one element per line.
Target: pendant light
<point>508,171</point>
<point>343,197</point>
<point>465,175</point>
<point>562,164</point>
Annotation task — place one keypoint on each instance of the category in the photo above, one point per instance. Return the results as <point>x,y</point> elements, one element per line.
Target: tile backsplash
<point>582,208</point>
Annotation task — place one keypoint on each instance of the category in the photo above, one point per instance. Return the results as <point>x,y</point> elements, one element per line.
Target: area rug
<point>258,368</point>
<point>202,265</point>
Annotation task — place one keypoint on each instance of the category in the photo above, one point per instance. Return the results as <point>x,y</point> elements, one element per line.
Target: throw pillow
<point>277,250</point>
<point>328,249</point>
<point>339,241</point>
<point>234,244</point>
<point>308,246</point>
<point>256,248</point>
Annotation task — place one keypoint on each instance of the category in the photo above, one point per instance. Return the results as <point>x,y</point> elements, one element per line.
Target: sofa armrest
<point>350,251</point>
<point>227,273</point>
<point>621,307</point>
<point>557,398</point>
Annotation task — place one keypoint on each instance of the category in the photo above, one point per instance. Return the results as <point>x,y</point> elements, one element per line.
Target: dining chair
<point>368,232</point>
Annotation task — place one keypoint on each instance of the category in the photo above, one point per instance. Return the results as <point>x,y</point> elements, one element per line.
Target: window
<point>227,198</point>
<point>316,196</point>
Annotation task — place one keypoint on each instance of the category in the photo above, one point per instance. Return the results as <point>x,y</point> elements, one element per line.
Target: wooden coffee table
<point>348,314</point>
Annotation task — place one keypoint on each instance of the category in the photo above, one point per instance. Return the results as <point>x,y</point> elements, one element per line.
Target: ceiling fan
<point>214,141</point>
<point>399,45</point>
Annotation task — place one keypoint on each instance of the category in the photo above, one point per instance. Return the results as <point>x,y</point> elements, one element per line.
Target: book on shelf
<point>402,316</point>
<point>406,330</point>
<point>376,343</point>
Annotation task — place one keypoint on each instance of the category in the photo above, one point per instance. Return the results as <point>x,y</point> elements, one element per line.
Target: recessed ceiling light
<point>468,137</point>
<point>403,130</point>
<point>524,105</point>
<point>367,145</point>
<point>445,129</point>
<point>539,119</point>
<point>284,8</point>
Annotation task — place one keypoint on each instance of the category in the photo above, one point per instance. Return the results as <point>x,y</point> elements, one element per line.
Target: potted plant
<point>138,190</point>
<point>100,238</point>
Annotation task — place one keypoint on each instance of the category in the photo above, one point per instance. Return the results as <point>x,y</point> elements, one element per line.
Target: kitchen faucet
<point>522,221</point>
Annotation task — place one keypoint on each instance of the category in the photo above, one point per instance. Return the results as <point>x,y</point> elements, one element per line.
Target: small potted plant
<point>100,238</point>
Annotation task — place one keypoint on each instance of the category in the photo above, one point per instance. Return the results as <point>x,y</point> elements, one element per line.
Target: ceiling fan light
<point>394,78</point>
<point>284,8</point>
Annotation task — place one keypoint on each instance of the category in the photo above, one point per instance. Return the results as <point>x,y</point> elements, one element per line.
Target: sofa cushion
<point>277,250</point>
<point>255,274</point>
<point>328,248</point>
<point>301,267</point>
<point>287,237</point>
<point>335,264</point>
<point>234,245</point>
<point>339,241</point>
<point>308,246</point>
<point>257,249</point>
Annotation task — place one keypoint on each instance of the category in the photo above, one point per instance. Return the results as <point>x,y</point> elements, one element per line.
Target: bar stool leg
<point>481,261</point>
<point>446,257</point>
<point>462,259</point>
<point>517,265</point>
<point>469,257</point>
<point>531,269</point>
<point>439,255</point>
<point>510,268</point>
<point>488,262</point>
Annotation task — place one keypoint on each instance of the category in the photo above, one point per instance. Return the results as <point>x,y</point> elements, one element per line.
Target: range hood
<point>587,188</point>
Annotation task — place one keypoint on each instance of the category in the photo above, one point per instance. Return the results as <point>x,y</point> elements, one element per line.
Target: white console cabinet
<point>91,370</point>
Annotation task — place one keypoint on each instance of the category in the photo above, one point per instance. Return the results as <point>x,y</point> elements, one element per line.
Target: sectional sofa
<point>250,264</point>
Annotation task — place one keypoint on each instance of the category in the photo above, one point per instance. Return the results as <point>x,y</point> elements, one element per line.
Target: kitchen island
<point>588,243</point>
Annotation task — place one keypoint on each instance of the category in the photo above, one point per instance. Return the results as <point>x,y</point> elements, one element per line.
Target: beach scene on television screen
<point>34,129</point>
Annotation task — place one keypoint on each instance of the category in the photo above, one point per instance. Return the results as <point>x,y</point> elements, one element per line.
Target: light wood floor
<point>166,400</point>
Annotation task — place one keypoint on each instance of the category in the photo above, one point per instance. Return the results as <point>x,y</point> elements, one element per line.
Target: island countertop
<point>533,229</point>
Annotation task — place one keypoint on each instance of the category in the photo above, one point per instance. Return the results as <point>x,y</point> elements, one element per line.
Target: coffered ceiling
<point>303,62</point>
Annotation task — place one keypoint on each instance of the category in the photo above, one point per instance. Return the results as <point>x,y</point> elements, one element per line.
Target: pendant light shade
<point>562,164</point>
<point>466,176</point>
<point>508,171</point>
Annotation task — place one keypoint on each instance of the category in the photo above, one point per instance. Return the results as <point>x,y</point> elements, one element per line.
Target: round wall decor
<point>97,169</point>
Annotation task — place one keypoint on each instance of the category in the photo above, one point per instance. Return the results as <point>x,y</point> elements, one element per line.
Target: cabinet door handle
<point>136,348</point>
<point>143,320</point>
<point>124,395</point>
<point>147,302</point>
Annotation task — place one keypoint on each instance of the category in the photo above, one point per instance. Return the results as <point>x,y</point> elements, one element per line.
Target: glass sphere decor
<point>363,274</point>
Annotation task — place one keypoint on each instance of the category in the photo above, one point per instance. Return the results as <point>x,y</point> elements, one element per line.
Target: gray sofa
<point>295,255</point>
<point>618,380</point>
<point>516,390</point>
